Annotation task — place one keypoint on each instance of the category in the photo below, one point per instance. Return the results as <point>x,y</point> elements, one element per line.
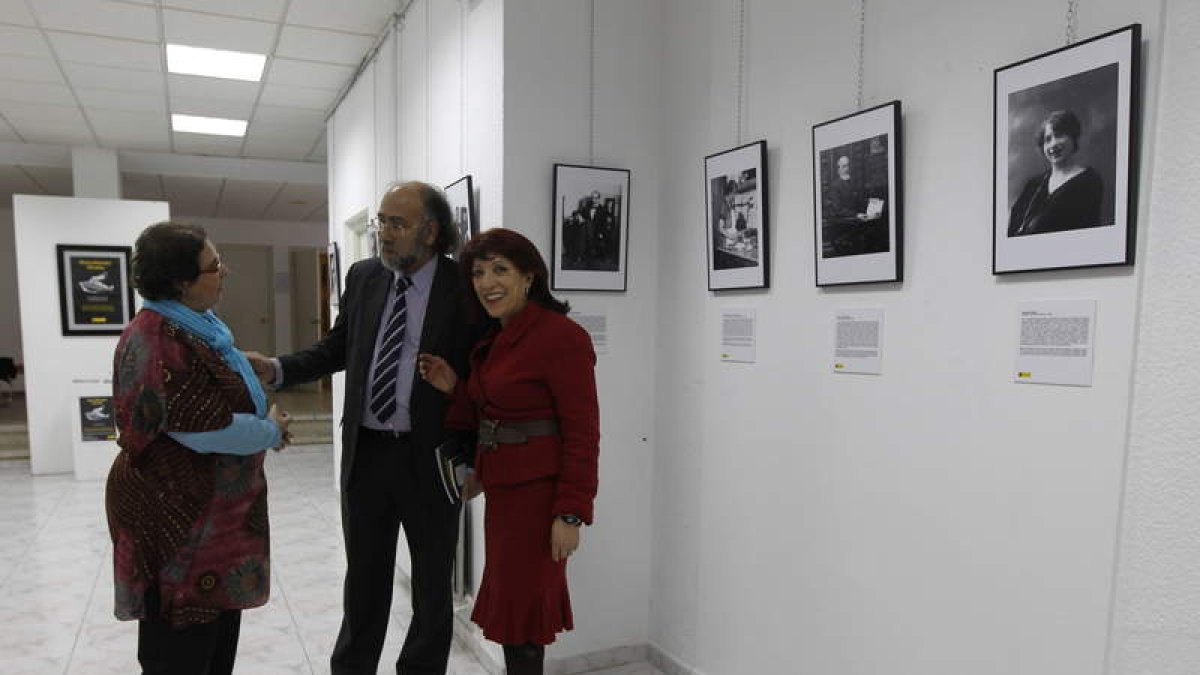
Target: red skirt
<point>523,596</point>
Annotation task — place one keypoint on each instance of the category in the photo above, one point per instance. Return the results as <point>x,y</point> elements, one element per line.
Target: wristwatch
<point>571,519</point>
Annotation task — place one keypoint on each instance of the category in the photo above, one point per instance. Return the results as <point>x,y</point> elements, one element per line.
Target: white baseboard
<point>668,663</point>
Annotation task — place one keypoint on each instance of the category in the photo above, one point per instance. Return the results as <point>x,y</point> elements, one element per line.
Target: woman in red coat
<point>532,396</point>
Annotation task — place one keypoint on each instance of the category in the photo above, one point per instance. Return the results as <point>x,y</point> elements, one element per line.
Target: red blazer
<point>540,365</point>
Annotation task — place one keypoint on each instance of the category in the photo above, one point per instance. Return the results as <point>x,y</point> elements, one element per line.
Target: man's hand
<point>281,418</point>
<point>263,367</point>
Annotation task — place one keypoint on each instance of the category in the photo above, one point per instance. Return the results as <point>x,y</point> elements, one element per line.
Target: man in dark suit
<point>396,306</point>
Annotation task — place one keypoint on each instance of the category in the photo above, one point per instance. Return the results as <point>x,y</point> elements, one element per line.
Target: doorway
<point>248,302</point>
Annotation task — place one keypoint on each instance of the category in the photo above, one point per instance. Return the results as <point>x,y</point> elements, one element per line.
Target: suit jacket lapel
<point>378,285</point>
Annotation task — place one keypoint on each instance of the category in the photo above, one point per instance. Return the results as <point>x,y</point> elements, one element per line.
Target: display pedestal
<point>93,431</point>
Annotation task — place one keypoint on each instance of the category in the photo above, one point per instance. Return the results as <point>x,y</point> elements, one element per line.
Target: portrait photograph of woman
<point>1065,156</point>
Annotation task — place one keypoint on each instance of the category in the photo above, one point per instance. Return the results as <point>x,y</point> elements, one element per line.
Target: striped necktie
<point>387,361</point>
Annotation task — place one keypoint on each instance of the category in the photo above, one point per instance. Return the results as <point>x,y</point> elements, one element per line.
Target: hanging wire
<point>462,88</point>
<point>741,67</point>
<point>1072,21</point>
<point>592,85</point>
<point>862,49</point>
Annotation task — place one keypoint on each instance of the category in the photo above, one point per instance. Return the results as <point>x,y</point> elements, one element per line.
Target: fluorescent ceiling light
<point>208,125</point>
<point>215,63</point>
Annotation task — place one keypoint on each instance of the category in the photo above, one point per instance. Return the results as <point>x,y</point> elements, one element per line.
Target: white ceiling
<point>92,73</point>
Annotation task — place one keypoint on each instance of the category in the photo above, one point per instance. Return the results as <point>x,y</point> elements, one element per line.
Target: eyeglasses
<point>382,223</point>
<point>216,267</point>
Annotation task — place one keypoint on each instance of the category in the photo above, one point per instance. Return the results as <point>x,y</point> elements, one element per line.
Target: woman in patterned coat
<point>186,495</point>
<point>532,397</point>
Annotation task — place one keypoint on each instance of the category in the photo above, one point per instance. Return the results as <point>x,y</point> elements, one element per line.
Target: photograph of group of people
<point>591,227</point>
<point>592,232</point>
<point>735,220</point>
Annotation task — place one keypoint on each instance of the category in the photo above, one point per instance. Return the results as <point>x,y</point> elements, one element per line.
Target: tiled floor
<point>56,579</point>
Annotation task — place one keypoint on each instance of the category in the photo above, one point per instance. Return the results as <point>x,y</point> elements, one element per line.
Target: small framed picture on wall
<point>1065,156</point>
<point>735,192</point>
<point>94,291</point>
<point>591,228</point>
<point>857,176</point>
<point>461,195</point>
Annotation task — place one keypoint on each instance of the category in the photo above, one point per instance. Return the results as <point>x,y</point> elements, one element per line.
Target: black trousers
<point>388,490</point>
<point>201,649</point>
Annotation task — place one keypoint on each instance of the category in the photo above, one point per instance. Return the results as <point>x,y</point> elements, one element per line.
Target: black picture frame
<point>95,294</point>
<point>590,216</point>
<point>1067,199</point>
<point>461,196</point>
<point>858,197</point>
<point>335,274</point>
<point>737,223</point>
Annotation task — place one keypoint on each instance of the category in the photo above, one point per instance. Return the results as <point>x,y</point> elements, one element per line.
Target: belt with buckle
<point>496,432</point>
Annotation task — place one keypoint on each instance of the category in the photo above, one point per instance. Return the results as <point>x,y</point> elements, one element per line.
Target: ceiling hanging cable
<point>592,83</point>
<point>741,69</point>
<point>862,50</point>
<point>1072,21</point>
<point>462,89</point>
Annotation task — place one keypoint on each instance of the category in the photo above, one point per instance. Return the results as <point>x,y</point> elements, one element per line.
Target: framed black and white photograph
<point>858,197</point>
<point>1065,156</point>
<point>96,421</point>
<point>461,195</point>
<point>94,293</point>
<point>591,228</point>
<point>335,274</point>
<point>735,192</point>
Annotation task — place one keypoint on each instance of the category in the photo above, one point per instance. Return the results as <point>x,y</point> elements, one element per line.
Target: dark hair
<point>436,208</point>
<point>514,246</point>
<point>165,255</point>
<point>1059,121</point>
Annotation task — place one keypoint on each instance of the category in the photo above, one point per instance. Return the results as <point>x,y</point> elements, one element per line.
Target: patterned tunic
<point>191,526</point>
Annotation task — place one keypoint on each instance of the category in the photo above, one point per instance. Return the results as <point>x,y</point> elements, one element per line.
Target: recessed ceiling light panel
<point>215,63</point>
<point>216,126</point>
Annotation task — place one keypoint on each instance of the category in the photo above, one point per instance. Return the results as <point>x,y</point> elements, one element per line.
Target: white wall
<point>1156,628</point>
<point>52,360</point>
<point>547,59</point>
<point>935,519</point>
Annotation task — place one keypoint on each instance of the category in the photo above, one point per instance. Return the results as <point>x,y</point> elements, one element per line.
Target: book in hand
<point>452,468</point>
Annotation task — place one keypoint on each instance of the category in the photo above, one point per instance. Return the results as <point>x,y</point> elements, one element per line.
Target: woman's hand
<point>471,487</point>
<point>282,419</point>
<point>564,539</point>
<point>437,372</point>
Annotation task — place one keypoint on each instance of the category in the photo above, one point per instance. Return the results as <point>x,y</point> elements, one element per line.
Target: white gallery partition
<point>53,360</point>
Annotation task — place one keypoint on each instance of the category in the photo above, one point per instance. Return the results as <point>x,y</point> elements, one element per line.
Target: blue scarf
<point>215,334</point>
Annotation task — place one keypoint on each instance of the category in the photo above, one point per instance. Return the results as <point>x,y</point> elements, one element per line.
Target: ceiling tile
<point>17,111</point>
<point>56,180</point>
<point>322,45</point>
<point>216,32</point>
<point>275,149</point>
<point>37,92</point>
<point>319,150</point>
<point>191,196</point>
<point>15,11</point>
<point>131,130</point>
<point>208,107</point>
<point>267,10</point>
<point>298,134</point>
<point>296,202</point>
<point>117,79</point>
<point>270,114</point>
<point>141,186</point>
<point>107,99</point>
<point>308,74</point>
<point>7,133</point>
<point>369,17</point>
<point>190,86</point>
<point>98,17</point>
<point>203,144</point>
<point>320,215</point>
<point>55,134</point>
<point>101,51</point>
<point>246,199</point>
<point>14,180</point>
<point>23,42</point>
<point>297,97</point>
<point>29,69</point>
